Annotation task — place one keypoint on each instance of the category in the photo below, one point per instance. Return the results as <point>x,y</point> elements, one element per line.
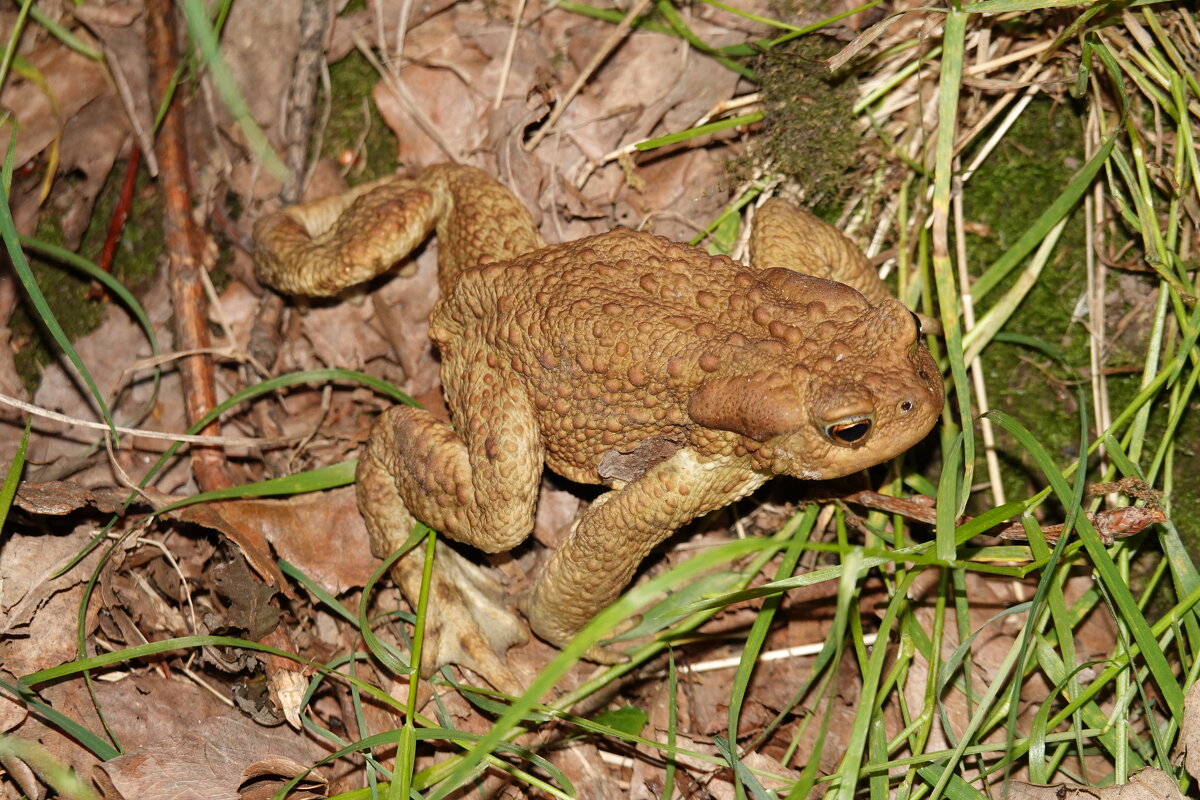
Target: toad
<point>680,380</point>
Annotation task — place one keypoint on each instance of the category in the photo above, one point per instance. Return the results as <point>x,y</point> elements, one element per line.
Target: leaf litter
<point>182,719</point>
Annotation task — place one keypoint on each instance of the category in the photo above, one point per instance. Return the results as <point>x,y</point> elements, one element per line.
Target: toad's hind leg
<point>790,237</point>
<point>477,485</point>
<point>479,488</point>
<point>322,247</point>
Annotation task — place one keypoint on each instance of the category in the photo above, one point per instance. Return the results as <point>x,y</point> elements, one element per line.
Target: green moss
<point>140,250</point>
<point>351,80</point>
<point>808,132</point>
<point>67,291</point>
<point>1028,169</point>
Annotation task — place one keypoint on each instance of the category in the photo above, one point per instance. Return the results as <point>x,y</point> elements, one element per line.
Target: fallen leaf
<point>320,533</point>
<point>207,760</point>
<point>63,497</point>
<point>1187,750</point>
<point>1146,784</point>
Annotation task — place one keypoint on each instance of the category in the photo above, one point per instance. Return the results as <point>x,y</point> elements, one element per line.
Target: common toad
<point>681,380</point>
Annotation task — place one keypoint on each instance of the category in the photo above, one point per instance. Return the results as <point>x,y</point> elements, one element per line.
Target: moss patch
<point>351,80</point>
<point>1028,169</point>
<point>1014,185</point>
<point>808,131</point>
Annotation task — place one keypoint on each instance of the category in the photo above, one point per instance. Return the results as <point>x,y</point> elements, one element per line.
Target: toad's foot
<point>467,623</point>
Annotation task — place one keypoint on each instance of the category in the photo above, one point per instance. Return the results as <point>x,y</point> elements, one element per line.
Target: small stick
<point>184,245</point>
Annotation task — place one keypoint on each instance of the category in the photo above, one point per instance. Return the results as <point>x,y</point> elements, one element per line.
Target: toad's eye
<point>917,322</point>
<point>848,431</point>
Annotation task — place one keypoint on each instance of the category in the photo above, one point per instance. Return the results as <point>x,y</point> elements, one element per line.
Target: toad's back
<point>611,334</point>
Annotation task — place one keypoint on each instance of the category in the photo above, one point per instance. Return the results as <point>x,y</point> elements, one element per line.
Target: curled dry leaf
<point>1110,525</point>
<point>229,518</point>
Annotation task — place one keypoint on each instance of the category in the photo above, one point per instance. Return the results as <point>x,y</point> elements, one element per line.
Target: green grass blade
<point>699,130</point>
<point>12,243</point>
<point>201,32</point>
<point>10,50</point>
<point>949,299</point>
<point>313,480</point>
<point>608,619</point>
<point>802,526</point>
<point>96,745</point>
<point>848,770</point>
<point>330,602</point>
<point>677,23</point>
<point>63,35</point>
<point>1107,572</point>
<point>949,502</point>
<point>58,776</point>
<point>668,788</point>
<point>12,477</point>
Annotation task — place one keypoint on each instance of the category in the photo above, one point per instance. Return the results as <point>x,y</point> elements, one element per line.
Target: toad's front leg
<point>592,566</point>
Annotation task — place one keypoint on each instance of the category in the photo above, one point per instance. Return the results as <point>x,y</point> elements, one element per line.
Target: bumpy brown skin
<point>682,380</point>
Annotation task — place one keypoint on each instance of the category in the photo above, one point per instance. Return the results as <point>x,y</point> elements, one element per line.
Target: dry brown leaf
<point>27,584</point>
<point>63,497</point>
<point>557,508</point>
<point>93,140</point>
<point>590,776</point>
<point>321,534</point>
<point>259,43</point>
<point>12,713</point>
<point>1146,784</point>
<point>366,23</point>
<point>240,529</point>
<point>203,760</point>
<point>114,15</point>
<point>265,778</point>
<point>1187,750</point>
<point>402,316</point>
<point>71,81</point>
